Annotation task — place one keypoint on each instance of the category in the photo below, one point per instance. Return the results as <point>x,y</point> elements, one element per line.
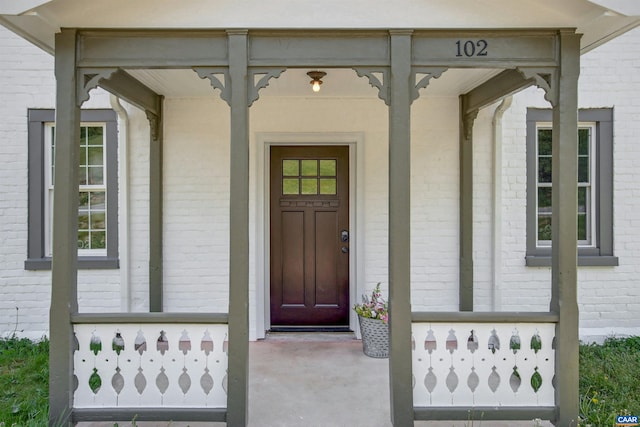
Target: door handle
<point>344,236</point>
<point>345,250</point>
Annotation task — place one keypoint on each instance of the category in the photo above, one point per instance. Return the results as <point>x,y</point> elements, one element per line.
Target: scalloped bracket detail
<point>89,78</point>
<point>218,78</point>
<point>545,79</point>
<point>256,84</point>
<point>375,75</point>
<point>422,77</point>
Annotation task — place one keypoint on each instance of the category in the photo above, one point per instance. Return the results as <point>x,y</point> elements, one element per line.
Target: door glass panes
<point>309,177</point>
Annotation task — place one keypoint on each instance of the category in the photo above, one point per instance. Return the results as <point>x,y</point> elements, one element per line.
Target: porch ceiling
<point>295,83</point>
<point>598,20</point>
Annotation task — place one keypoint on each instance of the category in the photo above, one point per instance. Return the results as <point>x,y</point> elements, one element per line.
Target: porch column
<point>64,265</point>
<point>155,211</point>
<point>465,298</point>
<point>564,228</point>
<point>237,398</point>
<point>400,230</point>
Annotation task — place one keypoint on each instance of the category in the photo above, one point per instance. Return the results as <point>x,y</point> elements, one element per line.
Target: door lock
<point>344,236</point>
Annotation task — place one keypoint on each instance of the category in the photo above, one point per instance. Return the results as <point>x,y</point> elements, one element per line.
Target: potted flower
<point>373,314</point>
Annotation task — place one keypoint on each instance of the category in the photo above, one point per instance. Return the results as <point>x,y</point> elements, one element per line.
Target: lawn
<point>609,382</point>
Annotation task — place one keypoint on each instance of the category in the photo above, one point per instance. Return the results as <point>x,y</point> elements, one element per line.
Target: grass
<point>609,382</point>
<point>24,379</point>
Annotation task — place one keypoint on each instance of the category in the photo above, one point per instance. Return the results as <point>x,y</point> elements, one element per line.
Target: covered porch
<point>428,349</point>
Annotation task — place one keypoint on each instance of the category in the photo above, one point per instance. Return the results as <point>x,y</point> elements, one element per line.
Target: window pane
<point>328,186</point>
<point>584,138</point>
<point>327,168</point>
<point>83,201</point>
<point>83,135</point>
<point>290,186</point>
<point>582,226</point>
<point>544,169</point>
<point>582,199</point>
<point>82,176</point>
<point>290,168</point>
<point>98,240</point>
<point>96,175</point>
<point>309,168</point>
<point>83,156</point>
<point>544,228</point>
<point>83,220</point>
<point>83,240</point>
<point>583,169</point>
<point>94,135</point>
<point>544,200</point>
<point>98,221</point>
<point>95,156</point>
<point>544,142</point>
<point>96,200</point>
<point>309,186</point>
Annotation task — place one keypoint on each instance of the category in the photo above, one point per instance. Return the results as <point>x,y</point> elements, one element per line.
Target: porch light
<point>316,81</point>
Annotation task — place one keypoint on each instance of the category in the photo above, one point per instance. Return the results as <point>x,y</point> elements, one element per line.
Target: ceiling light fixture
<point>316,81</point>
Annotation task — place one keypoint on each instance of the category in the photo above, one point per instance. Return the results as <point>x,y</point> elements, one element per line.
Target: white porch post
<point>564,228</point>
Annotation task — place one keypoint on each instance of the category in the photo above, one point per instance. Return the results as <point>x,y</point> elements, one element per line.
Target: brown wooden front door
<point>309,236</point>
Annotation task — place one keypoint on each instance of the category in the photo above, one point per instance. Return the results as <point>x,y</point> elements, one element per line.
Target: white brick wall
<point>196,162</point>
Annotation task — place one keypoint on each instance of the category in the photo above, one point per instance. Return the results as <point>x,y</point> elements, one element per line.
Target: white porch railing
<point>498,368</point>
<point>136,367</point>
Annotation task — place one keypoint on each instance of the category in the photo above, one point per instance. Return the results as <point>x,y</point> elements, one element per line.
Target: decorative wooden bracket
<point>467,123</point>
<point>545,79</point>
<point>267,74</point>
<point>154,125</point>
<point>372,74</point>
<point>89,78</point>
<point>215,74</point>
<point>425,74</point>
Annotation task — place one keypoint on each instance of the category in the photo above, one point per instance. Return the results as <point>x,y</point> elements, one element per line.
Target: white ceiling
<point>295,82</point>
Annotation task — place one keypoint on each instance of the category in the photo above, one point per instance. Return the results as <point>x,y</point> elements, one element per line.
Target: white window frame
<point>49,187</point>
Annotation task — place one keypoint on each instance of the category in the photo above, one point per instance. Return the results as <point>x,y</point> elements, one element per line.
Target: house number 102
<point>471,48</point>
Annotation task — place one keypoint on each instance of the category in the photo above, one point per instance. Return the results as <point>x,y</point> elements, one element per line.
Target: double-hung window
<point>97,189</point>
<point>595,188</point>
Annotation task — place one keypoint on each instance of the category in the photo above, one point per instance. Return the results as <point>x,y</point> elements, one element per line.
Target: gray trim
<point>479,413</point>
<point>238,392</point>
<point>504,84</point>
<point>485,317</point>
<point>156,203</point>
<point>123,318</point>
<point>149,414</point>
<point>564,233</point>
<point>36,259</point>
<point>131,90</point>
<point>602,254</point>
<point>400,370</point>
<point>64,268</point>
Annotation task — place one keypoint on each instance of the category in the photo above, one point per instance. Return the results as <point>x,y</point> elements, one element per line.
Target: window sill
<point>84,263</point>
<point>583,261</point>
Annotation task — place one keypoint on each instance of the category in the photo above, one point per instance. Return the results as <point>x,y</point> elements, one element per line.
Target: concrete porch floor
<point>319,380</point>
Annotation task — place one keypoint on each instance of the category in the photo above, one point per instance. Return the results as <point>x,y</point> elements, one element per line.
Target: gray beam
<point>400,370</point>
<point>156,269</point>
<point>149,318</point>
<point>150,414</point>
<point>497,87</point>
<point>152,48</point>
<point>481,413</point>
<point>485,317</point>
<point>131,90</point>
<point>564,251</point>
<point>64,280</point>
<point>237,398</point>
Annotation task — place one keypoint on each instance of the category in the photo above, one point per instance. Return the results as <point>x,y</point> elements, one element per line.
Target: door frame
<point>263,143</point>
